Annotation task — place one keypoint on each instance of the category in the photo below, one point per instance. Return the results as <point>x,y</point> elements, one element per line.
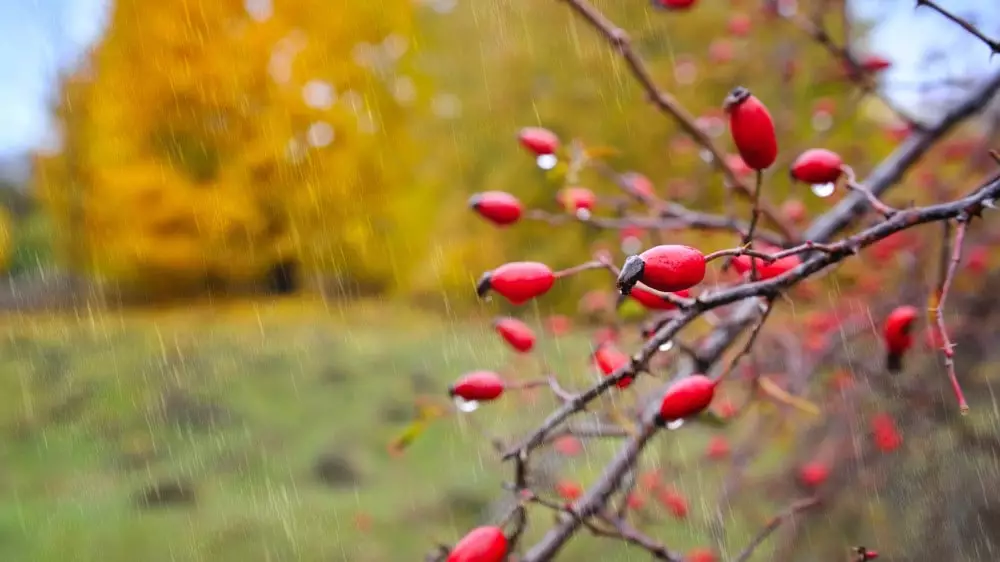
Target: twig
<point>772,525</point>
<point>993,44</point>
<point>669,105</point>
<point>937,307</point>
<point>880,207</point>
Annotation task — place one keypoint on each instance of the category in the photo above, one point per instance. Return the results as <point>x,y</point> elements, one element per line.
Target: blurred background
<point>239,257</point>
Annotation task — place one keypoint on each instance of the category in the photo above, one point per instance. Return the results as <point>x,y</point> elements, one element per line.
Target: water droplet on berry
<point>823,189</point>
<point>675,425</point>
<point>547,161</point>
<point>466,406</point>
<point>583,214</point>
<point>666,346</point>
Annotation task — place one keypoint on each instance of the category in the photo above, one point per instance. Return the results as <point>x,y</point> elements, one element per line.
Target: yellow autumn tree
<point>216,140</point>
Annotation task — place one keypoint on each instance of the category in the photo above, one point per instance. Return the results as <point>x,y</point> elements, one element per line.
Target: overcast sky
<point>41,36</point>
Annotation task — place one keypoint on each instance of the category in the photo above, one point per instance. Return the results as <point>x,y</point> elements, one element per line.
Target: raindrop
<point>823,189</point>
<point>320,134</point>
<point>675,425</point>
<point>318,94</point>
<point>259,10</point>
<point>583,214</point>
<point>666,346</point>
<point>466,406</point>
<point>547,161</point>
<point>706,156</point>
<point>822,121</point>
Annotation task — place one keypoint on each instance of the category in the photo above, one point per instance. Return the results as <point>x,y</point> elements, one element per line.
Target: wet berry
<point>898,336</point>
<point>516,333</point>
<point>752,129</point>
<point>517,281</point>
<point>686,397</point>
<point>499,207</point>
<point>538,140</point>
<point>483,544</point>
<point>480,386</point>
<point>667,268</point>
<point>816,166</point>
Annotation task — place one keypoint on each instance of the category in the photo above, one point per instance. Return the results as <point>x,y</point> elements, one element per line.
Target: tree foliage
<point>205,141</point>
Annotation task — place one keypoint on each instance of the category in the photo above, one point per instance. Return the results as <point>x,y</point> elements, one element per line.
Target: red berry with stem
<point>480,386</point>
<point>686,397</point>
<point>538,140</point>
<point>609,359</point>
<point>813,474</point>
<point>674,4</point>
<point>498,207</point>
<point>517,281</point>
<point>575,199</point>
<point>766,270</point>
<point>817,165</point>
<point>898,335</point>
<point>752,129</point>
<point>653,301</point>
<point>483,544</point>
<point>516,333</point>
<point>667,268</point>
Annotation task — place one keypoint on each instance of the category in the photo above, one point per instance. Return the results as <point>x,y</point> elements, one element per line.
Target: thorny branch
<point>818,255</point>
<point>936,308</point>
<point>993,44</point>
<point>669,105</point>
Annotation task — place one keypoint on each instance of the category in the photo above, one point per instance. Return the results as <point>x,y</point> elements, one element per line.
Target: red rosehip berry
<point>700,554</point>
<point>875,63</point>
<point>720,51</point>
<point>752,129</point>
<point>569,491</point>
<point>517,281</point>
<point>498,207</point>
<point>640,184</point>
<point>558,325</point>
<point>898,336</point>
<point>674,4</point>
<point>817,165</point>
<point>479,386</point>
<point>863,554</point>
<point>609,359</point>
<point>483,544</point>
<point>667,268</point>
<point>887,437</point>
<point>568,446</point>
<point>765,270</point>
<point>574,199</point>
<point>538,140</point>
<point>978,261</point>
<point>718,448</point>
<point>794,210</point>
<point>813,474</point>
<point>635,502</point>
<point>516,333</point>
<point>686,397</point>
<point>739,25</point>
<point>652,301</point>
<point>674,502</point>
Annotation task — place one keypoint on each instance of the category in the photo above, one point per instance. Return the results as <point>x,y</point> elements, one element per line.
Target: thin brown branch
<point>993,44</point>
<point>788,513</point>
<point>669,105</point>
<point>937,307</point>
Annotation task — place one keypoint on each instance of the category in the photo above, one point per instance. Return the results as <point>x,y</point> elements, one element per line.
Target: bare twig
<point>993,44</point>
<point>788,513</point>
<point>937,307</point>
<point>669,105</point>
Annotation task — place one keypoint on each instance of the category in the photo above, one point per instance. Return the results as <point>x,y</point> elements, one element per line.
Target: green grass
<point>239,402</point>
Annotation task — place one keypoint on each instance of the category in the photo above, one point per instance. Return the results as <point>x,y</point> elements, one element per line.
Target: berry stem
<point>587,266</point>
<point>754,217</point>
<point>852,184</point>
<point>937,308</point>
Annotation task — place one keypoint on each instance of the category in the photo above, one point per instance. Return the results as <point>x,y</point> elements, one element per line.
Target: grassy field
<point>257,432</point>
